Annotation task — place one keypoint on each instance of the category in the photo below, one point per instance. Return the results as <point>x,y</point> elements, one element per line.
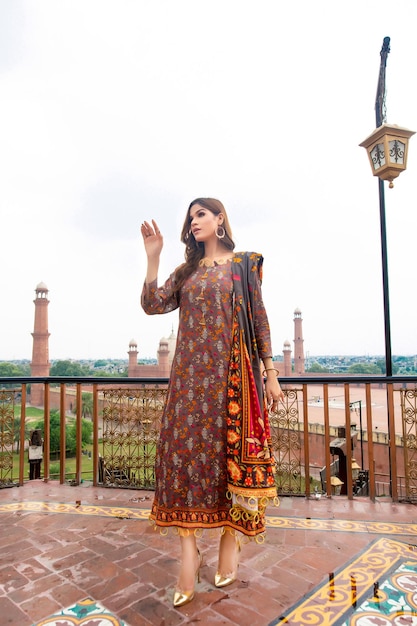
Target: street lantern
<point>355,469</point>
<point>336,485</point>
<point>387,149</point>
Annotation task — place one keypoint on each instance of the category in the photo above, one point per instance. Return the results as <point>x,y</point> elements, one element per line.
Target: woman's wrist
<point>270,372</point>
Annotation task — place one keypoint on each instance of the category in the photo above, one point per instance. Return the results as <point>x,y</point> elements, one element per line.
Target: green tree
<point>70,439</point>
<point>86,432</point>
<point>12,369</point>
<point>70,433</point>
<point>104,374</point>
<point>69,368</point>
<point>364,368</point>
<point>54,430</point>
<point>86,405</point>
<point>16,433</point>
<point>381,364</point>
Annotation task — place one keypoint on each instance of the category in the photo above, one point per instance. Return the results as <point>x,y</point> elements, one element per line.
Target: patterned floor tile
<point>87,612</point>
<point>376,588</point>
<point>278,522</point>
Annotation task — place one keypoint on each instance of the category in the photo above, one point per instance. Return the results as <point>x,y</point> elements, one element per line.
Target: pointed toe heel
<point>184,597</point>
<point>223,581</point>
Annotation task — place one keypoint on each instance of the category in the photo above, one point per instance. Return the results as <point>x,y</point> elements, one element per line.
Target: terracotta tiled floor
<point>61,544</point>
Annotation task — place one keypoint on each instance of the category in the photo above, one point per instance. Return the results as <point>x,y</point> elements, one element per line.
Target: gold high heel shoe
<point>184,597</point>
<point>223,581</point>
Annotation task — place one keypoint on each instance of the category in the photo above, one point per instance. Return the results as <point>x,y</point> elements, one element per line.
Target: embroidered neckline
<point>212,262</point>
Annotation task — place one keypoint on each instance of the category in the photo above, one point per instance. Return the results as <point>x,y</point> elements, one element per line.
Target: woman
<point>214,468</point>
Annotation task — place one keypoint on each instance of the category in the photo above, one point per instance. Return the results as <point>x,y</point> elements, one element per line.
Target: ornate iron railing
<point>409,421</point>
<point>354,435</point>
<point>131,420</point>
<point>7,425</point>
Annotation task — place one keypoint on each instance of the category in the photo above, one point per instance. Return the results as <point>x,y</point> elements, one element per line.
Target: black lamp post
<point>387,149</point>
<point>380,110</point>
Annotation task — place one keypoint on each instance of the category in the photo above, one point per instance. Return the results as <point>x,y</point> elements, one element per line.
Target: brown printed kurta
<point>191,476</point>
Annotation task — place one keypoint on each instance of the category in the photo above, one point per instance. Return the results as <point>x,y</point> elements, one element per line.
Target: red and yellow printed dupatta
<point>250,464</point>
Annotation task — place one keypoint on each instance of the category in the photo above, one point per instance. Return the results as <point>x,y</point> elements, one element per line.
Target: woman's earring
<point>220,232</point>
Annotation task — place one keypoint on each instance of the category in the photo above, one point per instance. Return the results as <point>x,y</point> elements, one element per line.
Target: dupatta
<point>250,463</point>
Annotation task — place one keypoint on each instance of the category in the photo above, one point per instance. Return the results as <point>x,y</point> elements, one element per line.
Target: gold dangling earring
<point>220,232</point>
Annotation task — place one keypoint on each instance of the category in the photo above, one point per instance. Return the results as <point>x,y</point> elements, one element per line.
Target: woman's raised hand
<point>152,238</point>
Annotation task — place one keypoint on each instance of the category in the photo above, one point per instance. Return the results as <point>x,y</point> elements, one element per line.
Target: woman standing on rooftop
<point>214,467</point>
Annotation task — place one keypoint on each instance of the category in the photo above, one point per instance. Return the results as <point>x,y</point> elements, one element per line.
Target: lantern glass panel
<point>396,151</point>
<point>378,156</point>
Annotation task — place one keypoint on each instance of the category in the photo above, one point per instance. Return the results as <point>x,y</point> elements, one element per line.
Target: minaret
<point>40,364</point>
<point>287,359</point>
<point>299,361</point>
<point>163,358</point>
<point>133,358</point>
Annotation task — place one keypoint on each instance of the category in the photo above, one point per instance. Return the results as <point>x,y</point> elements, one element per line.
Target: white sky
<point>116,112</point>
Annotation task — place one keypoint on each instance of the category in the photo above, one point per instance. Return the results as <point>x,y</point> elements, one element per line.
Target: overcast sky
<point>116,112</point>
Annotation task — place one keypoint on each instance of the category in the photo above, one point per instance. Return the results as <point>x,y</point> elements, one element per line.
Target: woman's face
<point>204,223</point>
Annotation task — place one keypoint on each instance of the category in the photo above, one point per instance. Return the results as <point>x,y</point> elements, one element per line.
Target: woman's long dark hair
<point>194,251</point>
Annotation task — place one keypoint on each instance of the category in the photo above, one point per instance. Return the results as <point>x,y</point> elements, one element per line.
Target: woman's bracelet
<point>270,369</point>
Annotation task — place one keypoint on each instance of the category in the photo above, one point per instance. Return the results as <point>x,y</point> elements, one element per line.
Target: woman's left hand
<point>273,392</point>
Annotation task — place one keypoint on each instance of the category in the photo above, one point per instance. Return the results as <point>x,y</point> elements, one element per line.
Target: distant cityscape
<point>354,364</point>
<point>401,365</point>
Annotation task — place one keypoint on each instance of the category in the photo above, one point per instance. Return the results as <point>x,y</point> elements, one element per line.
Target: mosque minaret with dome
<point>299,360</point>
<point>162,368</point>
<point>166,350</point>
<point>40,364</point>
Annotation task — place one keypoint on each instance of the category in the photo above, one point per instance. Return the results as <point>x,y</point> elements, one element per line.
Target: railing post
<point>327,439</point>
<point>47,434</point>
<point>62,434</point>
<point>391,443</point>
<point>348,444</point>
<point>95,435</point>
<point>371,464</point>
<point>306,441</point>
<point>78,430</point>
<point>22,436</point>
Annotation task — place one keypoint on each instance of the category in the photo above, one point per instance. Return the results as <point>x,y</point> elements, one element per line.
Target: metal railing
<point>325,423</point>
